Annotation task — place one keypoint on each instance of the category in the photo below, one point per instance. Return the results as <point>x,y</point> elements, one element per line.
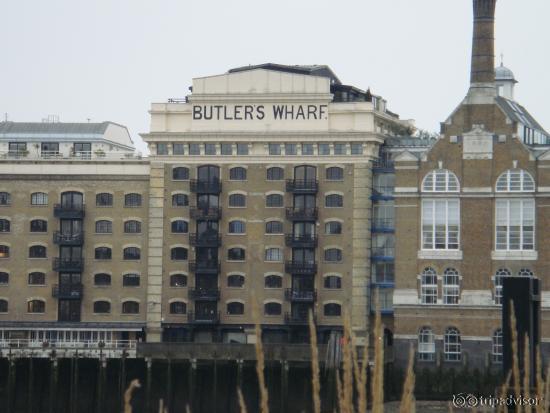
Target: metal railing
<point>383,251</point>
<point>203,318</point>
<point>204,267</point>
<point>207,213</point>
<point>89,344</point>
<point>302,185</point>
<point>383,224</point>
<point>300,267</point>
<point>68,239</point>
<point>70,291</point>
<point>204,293</point>
<point>80,155</point>
<point>68,211</point>
<point>205,187</point>
<point>293,294</point>
<point>307,240</point>
<point>205,240</point>
<point>60,264</point>
<point>302,214</point>
<point>298,318</point>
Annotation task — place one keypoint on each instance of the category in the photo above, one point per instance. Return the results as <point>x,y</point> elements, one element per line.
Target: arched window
<point>272,308</point>
<point>39,225</point>
<point>130,280</point>
<point>333,255</point>
<point>178,280</point>
<point>178,254</point>
<point>208,173</point>
<point>335,173</point>
<point>36,306</point>
<point>132,200</point>
<point>452,345</point>
<point>440,180</point>
<point>131,253</point>
<point>333,227</point>
<point>5,198</point>
<point>451,286</point>
<point>37,278</point>
<point>273,281</point>
<point>497,346</point>
<point>180,226</point>
<point>237,227</point>
<point>37,251</point>
<point>130,307</point>
<point>4,278</point>
<point>426,344</point>
<point>428,286</point>
<point>275,174</point>
<point>274,201</point>
<point>236,254</point>
<point>72,200</point>
<point>4,251</point>
<point>515,224</point>
<point>526,272</point>
<point>3,306</point>
<point>237,200</point>
<point>235,308</point>
<point>332,310</point>
<point>103,227</point>
<point>132,227</point>
<point>333,282</point>
<point>102,307</point>
<point>102,279</point>
<point>273,254</point>
<point>334,201</point>
<point>103,253</point>
<point>274,227</point>
<point>440,224</point>
<point>178,307</point>
<point>180,173</point>
<point>305,173</point>
<point>237,174</point>
<point>4,225</point>
<point>39,198</point>
<point>515,180</point>
<point>104,199</point>
<point>180,200</point>
<point>235,281</point>
<point>502,272</point>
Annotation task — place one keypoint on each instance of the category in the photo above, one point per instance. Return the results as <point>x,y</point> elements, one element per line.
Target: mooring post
<point>122,380</point>
<point>168,384</point>
<point>215,386</point>
<point>53,385</point>
<point>102,364</point>
<point>74,406</point>
<point>29,398</point>
<point>149,363</point>
<point>191,382</point>
<point>284,385</point>
<point>11,381</point>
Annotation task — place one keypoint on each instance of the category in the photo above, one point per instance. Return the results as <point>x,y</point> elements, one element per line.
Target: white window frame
<point>452,344</point>
<point>428,290</point>
<point>502,272</point>
<point>526,238</point>
<point>515,180</point>
<point>431,245</point>
<point>440,180</point>
<point>497,346</point>
<point>426,344</point>
<point>451,290</point>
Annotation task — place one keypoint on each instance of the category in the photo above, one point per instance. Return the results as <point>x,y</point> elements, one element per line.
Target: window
<point>36,306</point>
<point>237,227</point>
<point>334,201</point>
<point>274,227</point>
<point>17,149</point>
<point>39,198</point>
<point>37,251</point>
<point>194,149</point>
<point>383,272</point>
<point>102,280</point>
<point>39,225</point>
<point>178,149</point>
<point>273,281</point>
<point>132,200</point>
<point>497,346</point>
<point>515,224</point>
<point>4,278</point>
<point>235,281</point>
<point>273,254</point>
<point>237,200</point>
<point>440,224</point>
<point>332,310</point>
<point>324,149</point>
<point>384,185</point>
<point>428,286</point>
<point>103,227</point>
<point>210,149</point>
<point>37,278</point>
<point>178,254</point>
<point>5,198</point>
<point>102,307</point>
<point>291,149</point>
<point>180,226</point>
<point>103,253</point>
<point>333,227</point>
<point>524,272</point>
<point>237,174</point>
<point>131,253</point>
<point>426,344</point>
<point>242,149</point>
<point>274,201</point>
<point>227,148</point>
<point>275,174</point>
<point>180,173</point>
<point>451,286</point>
<point>180,200</point>
<point>4,251</point>
<point>340,149</point>
<point>130,280</point>
<point>357,149</point>
<point>333,255</point>
<point>162,149</point>
<point>130,307</point>
<point>274,148</point>
<point>440,180</point>
<point>307,149</point>
<point>452,345</point>
<point>104,200</point>
<point>515,180</point>
<point>502,272</point>
<point>236,254</point>
<point>132,227</point>
<point>178,280</point>
<point>333,282</point>
<point>4,225</point>
<point>178,307</point>
<point>235,308</point>
<point>335,174</point>
<point>272,308</point>
<point>50,149</point>
<point>3,306</point>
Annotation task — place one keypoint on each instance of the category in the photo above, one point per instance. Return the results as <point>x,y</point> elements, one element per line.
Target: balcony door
<point>305,173</point>
<point>71,227</point>
<point>72,200</point>
<point>69,310</point>
<point>208,173</point>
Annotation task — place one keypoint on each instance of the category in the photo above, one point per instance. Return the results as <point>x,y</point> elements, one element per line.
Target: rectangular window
<point>451,289</point>
<point>291,149</point>
<point>385,299</point>
<point>49,149</point>
<point>227,148</point>
<point>515,225</point>
<point>274,149</point>
<point>178,149</point>
<point>17,148</point>
<point>307,149</point>
<point>324,149</point>
<point>210,149</point>
<point>440,224</point>
<point>428,289</point>
<point>357,149</point>
<point>242,149</point>
<point>383,272</point>
<point>82,150</point>
<point>340,149</point>
<point>194,149</point>
<point>162,149</point>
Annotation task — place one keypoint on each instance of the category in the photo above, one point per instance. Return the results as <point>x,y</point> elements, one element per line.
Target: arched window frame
<point>178,280</point>
<point>237,173</point>
<point>497,347</point>
<point>180,173</point>
<point>428,286</point>
<point>102,307</point>
<point>275,173</point>
<point>272,308</point>
<point>515,180</point>
<point>235,308</point>
<point>451,286</point>
<point>452,344</point>
<point>502,272</point>
<point>237,226</point>
<point>440,180</point>
<point>426,344</point>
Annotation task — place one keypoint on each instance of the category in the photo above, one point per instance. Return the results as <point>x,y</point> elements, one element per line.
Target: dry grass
<point>134,384</point>
<point>407,399</point>
<point>315,381</point>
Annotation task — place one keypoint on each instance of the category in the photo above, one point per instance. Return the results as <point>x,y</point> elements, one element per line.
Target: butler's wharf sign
<point>277,112</point>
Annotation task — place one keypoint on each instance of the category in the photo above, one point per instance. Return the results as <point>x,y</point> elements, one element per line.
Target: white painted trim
<point>477,189</point>
<point>514,255</point>
<point>440,255</point>
<point>406,189</point>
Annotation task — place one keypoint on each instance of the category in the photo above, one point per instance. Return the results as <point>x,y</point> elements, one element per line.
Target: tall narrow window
<point>440,224</point>
<point>4,225</point>
<point>515,224</point>
<point>497,346</point>
<point>451,286</point>
<point>5,198</point>
<point>426,344</point>
<point>428,286</point>
<point>498,284</point>
<point>452,346</point>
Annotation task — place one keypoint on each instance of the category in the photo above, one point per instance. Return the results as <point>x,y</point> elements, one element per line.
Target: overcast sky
<point>109,59</point>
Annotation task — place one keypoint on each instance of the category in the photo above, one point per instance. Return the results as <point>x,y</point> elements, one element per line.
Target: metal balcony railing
<point>205,240</point>
<point>383,252</point>
<point>383,225</point>
<point>74,211</point>
<point>298,241</point>
<point>300,267</point>
<point>206,213</point>
<point>299,295</point>
<point>204,267</point>
<point>205,187</point>
<point>69,265</point>
<point>199,293</point>
<point>298,318</point>
<point>302,214</point>
<point>302,186</point>
<point>68,239</point>
<point>67,291</point>
<point>212,317</point>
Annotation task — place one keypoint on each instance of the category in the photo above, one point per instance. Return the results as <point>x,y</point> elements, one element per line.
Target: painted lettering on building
<point>260,112</point>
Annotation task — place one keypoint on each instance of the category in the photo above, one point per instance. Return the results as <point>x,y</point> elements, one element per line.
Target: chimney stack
<point>482,77</point>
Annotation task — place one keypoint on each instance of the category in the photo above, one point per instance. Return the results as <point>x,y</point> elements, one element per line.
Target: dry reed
<point>515,360</point>
<point>378,375</point>
<point>134,384</point>
<point>315,381</point>
<point>260,362</point>
<point>242,404</point>
<point>407,399</point>
<point>526,372</point>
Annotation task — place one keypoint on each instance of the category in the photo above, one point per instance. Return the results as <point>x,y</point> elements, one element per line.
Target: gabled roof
<point>519,114</point>
<point>57,128</point>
